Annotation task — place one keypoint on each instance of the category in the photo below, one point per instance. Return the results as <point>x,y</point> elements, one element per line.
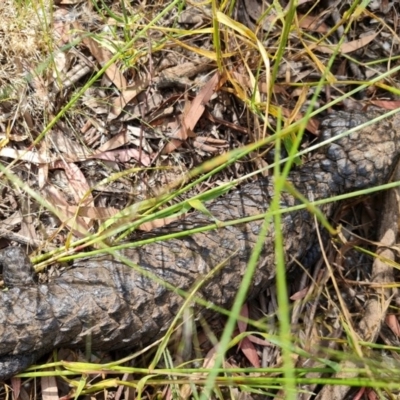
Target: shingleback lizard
<point>119,308</point>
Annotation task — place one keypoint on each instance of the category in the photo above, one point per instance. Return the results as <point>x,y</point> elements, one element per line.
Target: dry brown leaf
<point>348,47</point>
<point>393,323</point>
<point>77,182</point>
<point>120,139</point>
<point>242,80</point>
<point>194,113</point>
<point>245,345</point>
<point>259,341</point>
<point>244,312</point>
<point>182,133</point>
<point>34,157</point>
<point>209,359</point>
<point>56,197</point>
<point>14,136</point>
<point>95,213</point>
<point>73,150</point>
<point>61,30</point>
<point>75,223</point>
<point>370,393</point>
<point>299,295</point>
<point>102,56</point>
<point>209,144</point>
<point>16,387</point>
<point>49,388</point>
<point>43,170</point>
<point>61,64</point>
<point>263,87</point>
<point>170,124</point>
<point>250,352</point>
<point>386,104</point>
<point>312,124</point>
<point>68,2</point>
<point>158,223</point>
<point>228,124</point>
<point>211,140</point>
<point>27,229</point>
<point>127,96</point>
<point>123,156</point>
<point>312,23</point>
<point>12,221</point>
<point>205,148</point>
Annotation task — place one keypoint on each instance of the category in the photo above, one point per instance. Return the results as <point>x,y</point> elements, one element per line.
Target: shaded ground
<point>103,106</point>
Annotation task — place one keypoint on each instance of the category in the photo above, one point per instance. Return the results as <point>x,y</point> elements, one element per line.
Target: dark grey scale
<point>17,268</point>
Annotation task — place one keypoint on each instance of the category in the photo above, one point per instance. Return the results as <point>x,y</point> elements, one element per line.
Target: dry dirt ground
<point>106,104</point>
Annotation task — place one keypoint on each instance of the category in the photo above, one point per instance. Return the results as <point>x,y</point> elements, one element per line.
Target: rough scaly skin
<point>119,308</point>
